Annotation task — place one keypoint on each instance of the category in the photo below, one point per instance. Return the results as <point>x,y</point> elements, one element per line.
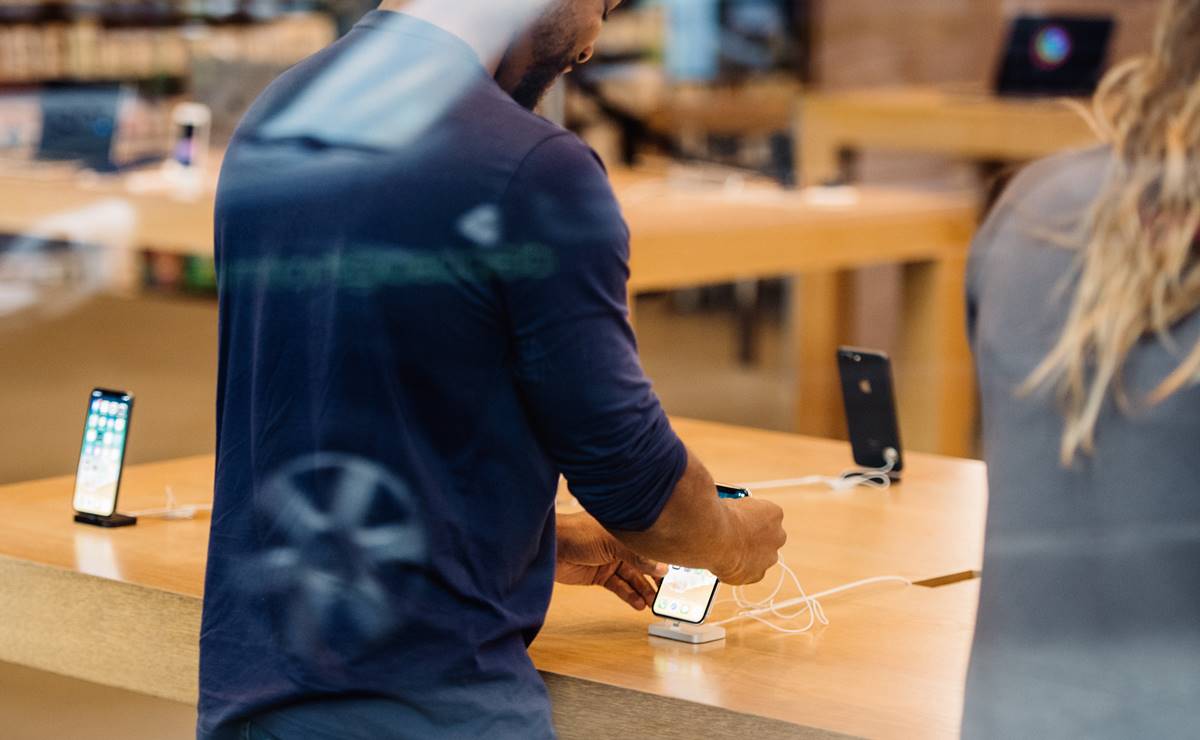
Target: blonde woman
<point>1084,293</point>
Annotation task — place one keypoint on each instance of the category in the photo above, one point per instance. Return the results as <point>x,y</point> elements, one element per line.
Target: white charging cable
<point>878,478</point>
<point>172,510</point>
<point>809,605</point>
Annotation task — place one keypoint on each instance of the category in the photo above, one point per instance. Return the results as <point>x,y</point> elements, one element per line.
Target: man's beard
<point>535,84</point>
<point>551,57</point>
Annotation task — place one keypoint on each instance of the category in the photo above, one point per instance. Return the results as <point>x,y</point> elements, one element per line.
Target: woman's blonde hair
<point>1138,273</point>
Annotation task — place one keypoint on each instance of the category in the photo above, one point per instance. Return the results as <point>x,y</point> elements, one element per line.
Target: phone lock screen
<point>102,453</point>
<point>686,594</point>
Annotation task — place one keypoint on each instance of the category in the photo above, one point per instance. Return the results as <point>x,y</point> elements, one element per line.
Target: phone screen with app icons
<point>685,595</point>
<point>102,454</point>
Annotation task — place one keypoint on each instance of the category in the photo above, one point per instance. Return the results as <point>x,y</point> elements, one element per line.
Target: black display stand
<point>108,522</point>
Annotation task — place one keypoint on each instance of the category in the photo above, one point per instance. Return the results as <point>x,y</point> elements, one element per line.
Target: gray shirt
<point>1089,616</point>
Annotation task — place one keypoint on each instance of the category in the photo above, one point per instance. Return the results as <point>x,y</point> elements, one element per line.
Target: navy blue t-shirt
<point>423,322</point>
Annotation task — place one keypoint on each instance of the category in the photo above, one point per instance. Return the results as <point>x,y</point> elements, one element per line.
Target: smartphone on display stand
<point>870,401</point>
<point>189,151</point>
<point>686,594</point>
<point>102,458</point>
<point>192,122</point>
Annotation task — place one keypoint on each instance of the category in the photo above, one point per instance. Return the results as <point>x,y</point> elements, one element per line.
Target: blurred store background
<point>113,116</point>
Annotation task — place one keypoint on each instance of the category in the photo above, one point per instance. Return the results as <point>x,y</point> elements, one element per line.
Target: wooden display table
<point>122,607</point>
<point>687,236</point>
<point>690,236</point>
<point>764,106</point>
<point>973,126</point>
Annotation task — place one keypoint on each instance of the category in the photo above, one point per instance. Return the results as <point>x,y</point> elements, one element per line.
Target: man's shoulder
<point>557,154</point>
<point>561,188</point>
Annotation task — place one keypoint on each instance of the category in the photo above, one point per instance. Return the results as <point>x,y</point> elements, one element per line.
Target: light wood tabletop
<point>892,662</point>
<point>121,607</point>
<point>967,125</point>
<point>687,234</point>
<point>45,202</point>
<point>761,106</point>
<point>666,218</point>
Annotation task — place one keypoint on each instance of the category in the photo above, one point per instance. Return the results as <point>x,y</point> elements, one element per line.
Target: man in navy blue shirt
<point>423,324</point>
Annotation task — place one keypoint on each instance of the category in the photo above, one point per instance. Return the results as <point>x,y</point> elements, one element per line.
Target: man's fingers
<point>637,579</point>
<point>604,549</point>
<point>621,588</point>
<point>652,568</point>
<point>618,551</point>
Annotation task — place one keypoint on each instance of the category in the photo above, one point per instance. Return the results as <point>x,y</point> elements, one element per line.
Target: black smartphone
<point>870,400</point>
<point>102,454</point>
<point>686,594</point>
<point>732,492</point>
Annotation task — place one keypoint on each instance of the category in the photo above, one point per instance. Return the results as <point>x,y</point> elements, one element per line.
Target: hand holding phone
<point>760,534</point>
<point>587,554</point>
<point>686,594</point>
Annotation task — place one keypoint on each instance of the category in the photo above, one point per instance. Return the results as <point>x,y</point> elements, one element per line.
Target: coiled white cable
<point>808,604</point>
<point>172,510</point>
<point>878,478</point>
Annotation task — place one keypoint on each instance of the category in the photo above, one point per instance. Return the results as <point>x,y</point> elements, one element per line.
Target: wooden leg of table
<point>126,271</point>
<point>821,313</point>
<point>821,156</point>
<point>934,376</point>
<point>849,165</point>
<point>821,163</point>
<point>746,299</point>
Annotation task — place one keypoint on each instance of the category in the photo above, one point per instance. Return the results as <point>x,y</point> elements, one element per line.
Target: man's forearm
<point>694,529</point>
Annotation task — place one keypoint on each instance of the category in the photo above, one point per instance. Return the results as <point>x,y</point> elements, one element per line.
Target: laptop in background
<point>1058,55</point>
<point>79,123</point>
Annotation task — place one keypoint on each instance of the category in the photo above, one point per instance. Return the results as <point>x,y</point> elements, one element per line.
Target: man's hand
<point>759,527</point>
<point>737,540</point>
<point>589,556</point>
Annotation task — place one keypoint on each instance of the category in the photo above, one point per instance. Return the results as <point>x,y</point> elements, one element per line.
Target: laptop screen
<point>1055,55</point>
<point>79,123</point>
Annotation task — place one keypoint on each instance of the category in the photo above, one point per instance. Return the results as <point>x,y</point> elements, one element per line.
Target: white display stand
<point>694,634</point>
